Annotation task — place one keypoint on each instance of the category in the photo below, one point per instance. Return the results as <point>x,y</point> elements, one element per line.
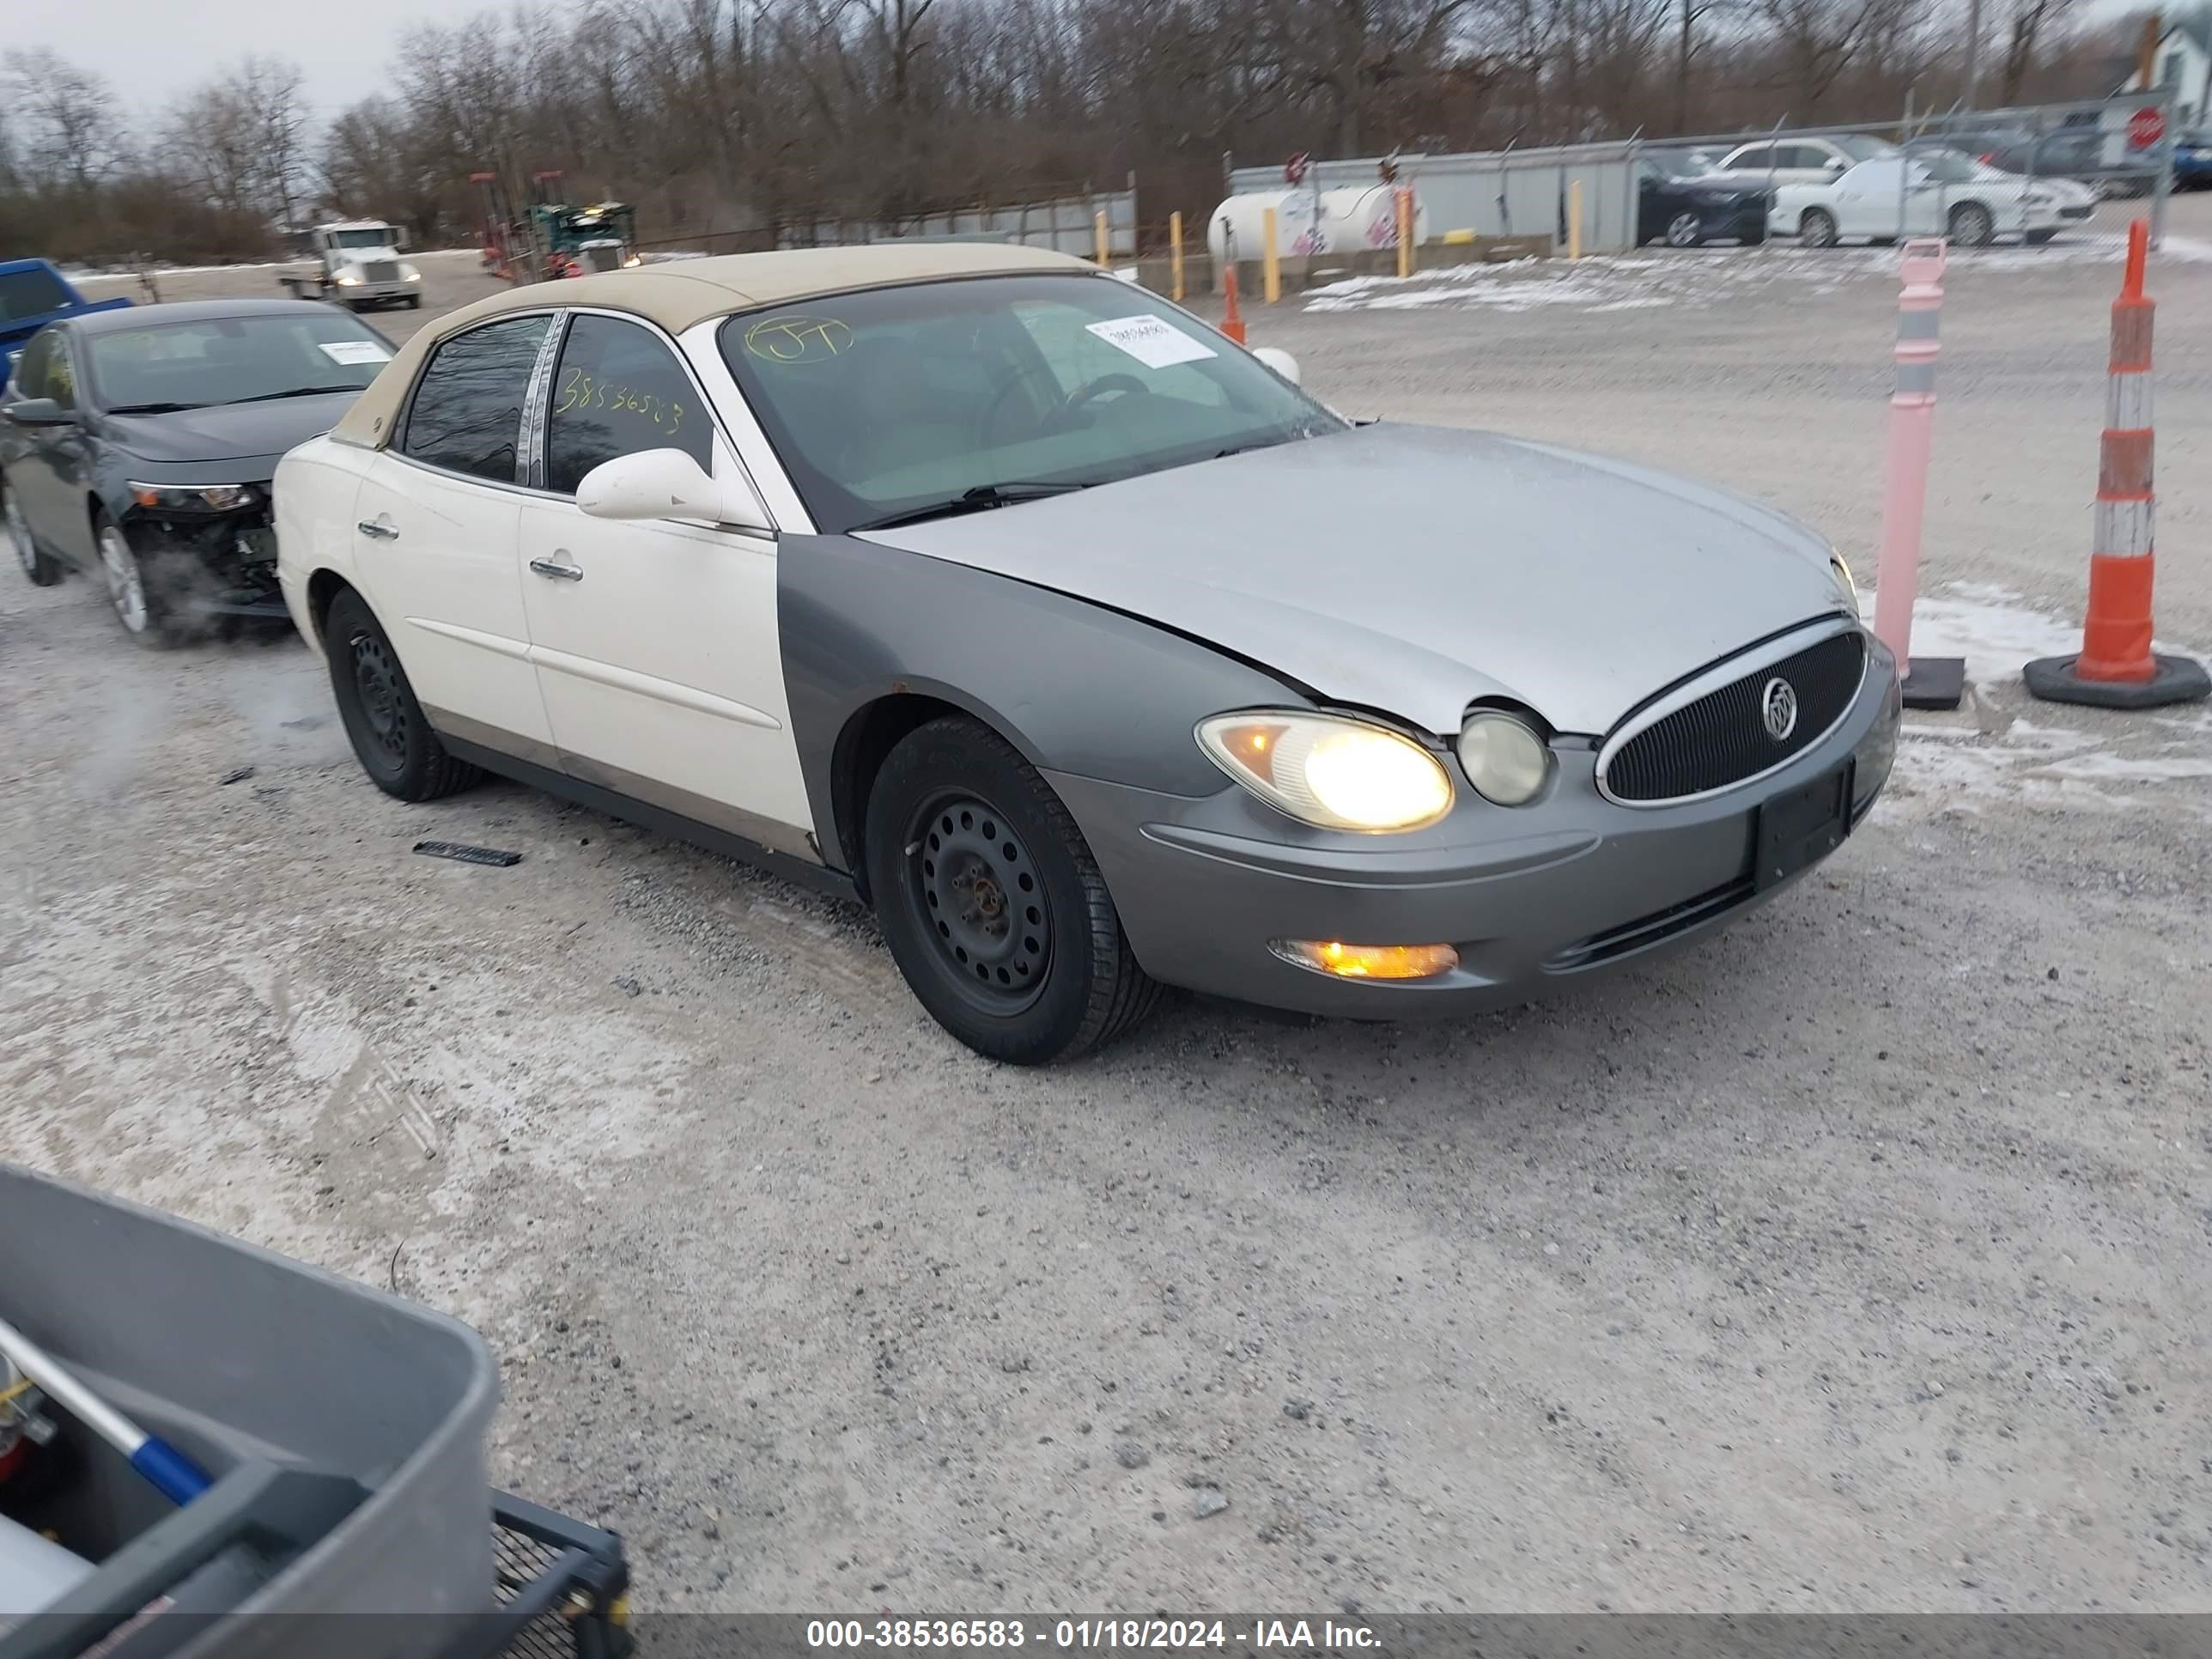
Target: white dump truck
<point>358,265</point>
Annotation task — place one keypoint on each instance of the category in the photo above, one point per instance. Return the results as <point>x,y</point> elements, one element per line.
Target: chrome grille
<point>380,271</point>
<point>1722,739</point>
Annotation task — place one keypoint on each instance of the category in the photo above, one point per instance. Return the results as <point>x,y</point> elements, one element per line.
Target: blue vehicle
<point>2192,160</point>
<point>32,294</point>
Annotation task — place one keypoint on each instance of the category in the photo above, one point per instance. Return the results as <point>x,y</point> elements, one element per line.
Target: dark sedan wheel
<point>991,901</point>
<point>1816,227</point>
<point>141,606</point>
<point>42,569</point>
<point>392,741</point>
<point>1685,230</point>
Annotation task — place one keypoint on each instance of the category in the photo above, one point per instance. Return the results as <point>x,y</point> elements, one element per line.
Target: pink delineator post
<point>1911,432</point>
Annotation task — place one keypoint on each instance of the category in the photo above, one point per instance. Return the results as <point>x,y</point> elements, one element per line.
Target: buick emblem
<point>1778,707</point>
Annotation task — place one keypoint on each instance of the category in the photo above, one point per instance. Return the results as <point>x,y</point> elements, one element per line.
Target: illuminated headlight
<point>633,260</point>
<point>1330,770</point>
<point>1506,761</point>
<point>1850,589</point>
<point>193,498</point>
<point>347,279</point>
<point>408,274</point>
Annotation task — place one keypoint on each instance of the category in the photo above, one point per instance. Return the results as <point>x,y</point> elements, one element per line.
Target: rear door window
<point>466,414</point>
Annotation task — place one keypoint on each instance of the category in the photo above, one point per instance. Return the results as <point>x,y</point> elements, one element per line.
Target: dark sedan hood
<point>1413,569</point>
<point>228,431</point>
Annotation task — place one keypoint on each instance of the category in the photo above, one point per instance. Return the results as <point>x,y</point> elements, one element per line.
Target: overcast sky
<point>148,48</point>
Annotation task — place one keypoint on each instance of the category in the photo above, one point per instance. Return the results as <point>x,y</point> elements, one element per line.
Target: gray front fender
<point>1075,687</point>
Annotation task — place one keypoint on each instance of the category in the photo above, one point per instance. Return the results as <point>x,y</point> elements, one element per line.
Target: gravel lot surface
<point>1855,1259</point>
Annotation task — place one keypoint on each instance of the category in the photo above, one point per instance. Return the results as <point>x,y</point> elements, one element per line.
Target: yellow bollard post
<point>1271,266</point>
<point>1574,219</point>
<point>1175,257</point>
<point>1404,206</point>
<point>1098,229</point>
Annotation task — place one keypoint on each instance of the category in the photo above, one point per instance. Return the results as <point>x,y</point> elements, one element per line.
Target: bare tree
<point>69,129</point>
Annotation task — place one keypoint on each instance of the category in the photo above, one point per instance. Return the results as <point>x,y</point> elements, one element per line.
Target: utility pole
<point>1973,50</point>
<point>2146,54</point>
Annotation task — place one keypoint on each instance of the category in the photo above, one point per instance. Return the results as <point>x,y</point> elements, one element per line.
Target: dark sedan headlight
<point>194,498</point>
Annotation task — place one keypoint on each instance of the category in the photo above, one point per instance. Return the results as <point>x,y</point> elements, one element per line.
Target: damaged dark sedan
<point>138,446</point>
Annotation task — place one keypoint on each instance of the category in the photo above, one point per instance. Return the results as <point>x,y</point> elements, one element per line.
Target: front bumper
<point>212,566</point>
<point>1533,897</point>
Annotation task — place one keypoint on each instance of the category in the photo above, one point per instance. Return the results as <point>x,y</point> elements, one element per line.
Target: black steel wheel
<point>390,738</point>
<point>990,900</point>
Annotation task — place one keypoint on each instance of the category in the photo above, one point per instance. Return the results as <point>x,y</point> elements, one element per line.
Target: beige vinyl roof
<point>681,293</point>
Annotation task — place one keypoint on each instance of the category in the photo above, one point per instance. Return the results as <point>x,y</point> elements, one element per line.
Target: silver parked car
<point>1083,644</point>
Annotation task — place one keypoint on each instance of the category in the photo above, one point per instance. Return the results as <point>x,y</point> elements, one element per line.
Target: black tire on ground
<point>390,738</point>
<point>41,567</point>
<point>145,608</point>
<point>414,303</point>
<point>1971,225</point>
<point>992,906</point>
<point>1816,227</point>
<point>2038,238</point>
<point>1686,230</point>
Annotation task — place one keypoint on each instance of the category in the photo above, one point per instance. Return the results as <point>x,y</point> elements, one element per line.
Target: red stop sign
<point>2145,128</point>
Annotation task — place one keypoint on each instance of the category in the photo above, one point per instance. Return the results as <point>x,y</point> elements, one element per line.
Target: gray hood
<point>1413,569</point>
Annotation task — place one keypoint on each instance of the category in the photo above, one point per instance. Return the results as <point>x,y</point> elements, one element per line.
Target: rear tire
<point>1816,227</point>
<point>1971,225</point>
<point>42,568</point>
<point>990,900</point>
<point>390,738</point>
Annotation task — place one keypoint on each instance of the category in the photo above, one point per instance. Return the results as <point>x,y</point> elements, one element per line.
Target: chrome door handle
<point>377,530</point>
<point>567,573</point>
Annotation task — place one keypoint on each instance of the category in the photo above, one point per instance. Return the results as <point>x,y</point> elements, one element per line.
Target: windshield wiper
<point>153,408</point>
<point>978,500</point>
<point>296,391</point>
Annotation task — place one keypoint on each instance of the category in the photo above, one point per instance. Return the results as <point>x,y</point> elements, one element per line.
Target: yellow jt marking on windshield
<point>798,339</point>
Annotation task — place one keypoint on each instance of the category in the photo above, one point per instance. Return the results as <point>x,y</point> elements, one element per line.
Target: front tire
<point>1971,225</point>
<point>140,606</point>
<point>390,738</point>
<point>1816,227</point>
<point>42,569</point>
<point>990,900</point>
<point>1684,230</point>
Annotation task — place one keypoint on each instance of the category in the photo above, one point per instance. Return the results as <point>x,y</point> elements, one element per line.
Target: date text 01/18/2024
<point>831,1635</point>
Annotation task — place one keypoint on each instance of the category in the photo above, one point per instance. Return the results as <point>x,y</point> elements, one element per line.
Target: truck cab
<point>358,265</point>
<point>33,293</point>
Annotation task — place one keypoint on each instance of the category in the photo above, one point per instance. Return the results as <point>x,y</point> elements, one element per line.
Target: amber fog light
<point>1343,961</point>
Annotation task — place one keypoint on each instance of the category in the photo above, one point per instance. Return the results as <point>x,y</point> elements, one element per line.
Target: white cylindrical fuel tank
<point>1348,219</point>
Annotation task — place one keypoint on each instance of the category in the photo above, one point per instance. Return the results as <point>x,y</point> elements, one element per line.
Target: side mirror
<point>37,412</point>
<point>1278,360</point>
<point>667,483</point>
<point>1834,164</point>
<point>399,239</point>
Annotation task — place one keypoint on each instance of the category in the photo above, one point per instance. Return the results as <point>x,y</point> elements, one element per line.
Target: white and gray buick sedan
<point>1000,595</point>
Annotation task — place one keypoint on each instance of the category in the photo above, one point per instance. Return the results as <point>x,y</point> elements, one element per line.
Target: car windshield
<point>30,292</point>
<point>1861,147</point>
<point>228,360</point>
<point>1677,163</point>
<point>893,401</point>
<point>1948,167</point>
<point>380,236</point>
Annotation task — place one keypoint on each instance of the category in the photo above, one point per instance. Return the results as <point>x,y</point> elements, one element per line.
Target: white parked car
<point>1943,193</point>
<point>1800,160</point>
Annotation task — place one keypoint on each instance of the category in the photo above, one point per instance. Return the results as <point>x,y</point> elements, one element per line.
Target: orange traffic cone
<point>2117,668</point>
<point>1232,320</point>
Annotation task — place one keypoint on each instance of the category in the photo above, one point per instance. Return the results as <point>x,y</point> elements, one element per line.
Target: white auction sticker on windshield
<point>1152,343</point>
<point>354,351</point>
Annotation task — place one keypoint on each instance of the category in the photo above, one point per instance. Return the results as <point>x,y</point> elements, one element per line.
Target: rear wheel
<point>1684,230</point>
<point>43,570</point>
<point>391,738</point>
<point>992,903</point>
<point>1970,226</point>
<point>1816,227</point>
